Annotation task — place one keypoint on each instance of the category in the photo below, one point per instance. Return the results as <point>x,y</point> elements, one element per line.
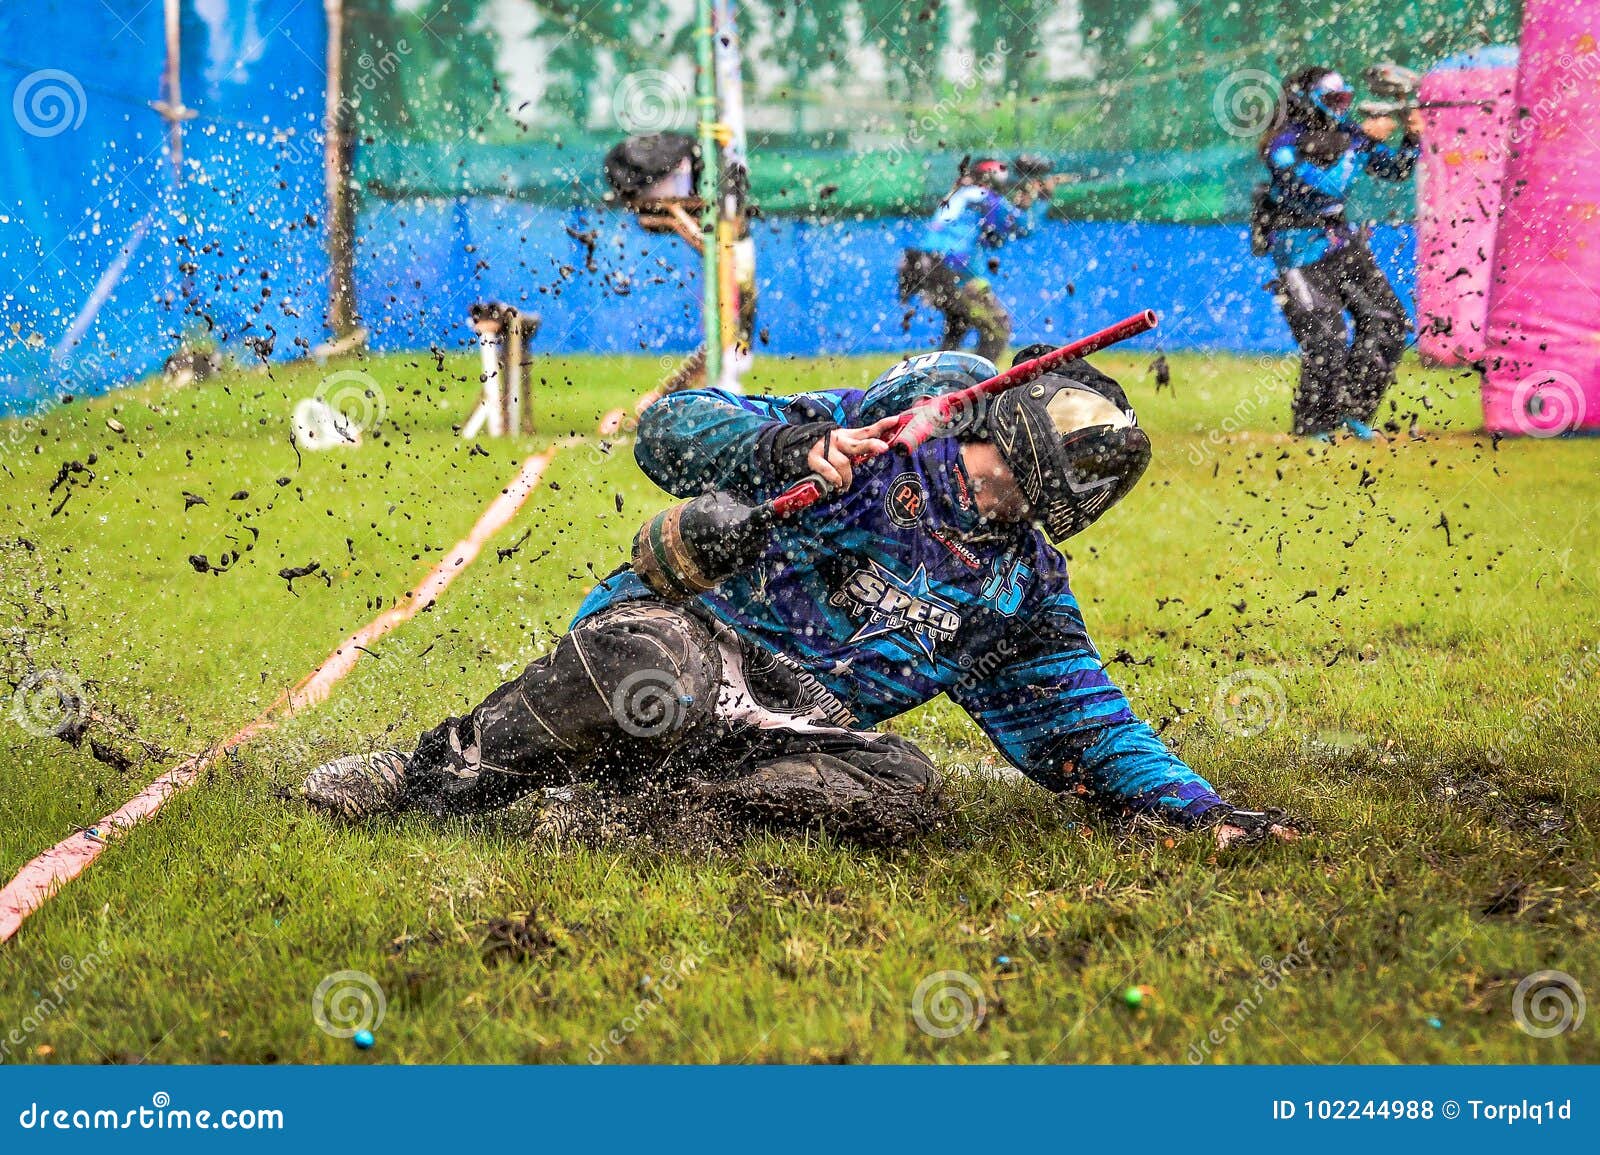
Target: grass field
<point>1394,641</point>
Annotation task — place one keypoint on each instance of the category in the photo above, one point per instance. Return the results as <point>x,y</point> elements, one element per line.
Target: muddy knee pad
<point>641,674</point>
<point>622,687</point>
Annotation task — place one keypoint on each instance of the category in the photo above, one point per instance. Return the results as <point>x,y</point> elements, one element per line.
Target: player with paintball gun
<point>991,203</point>
<point>844,556</point>
<point>1314,150</point>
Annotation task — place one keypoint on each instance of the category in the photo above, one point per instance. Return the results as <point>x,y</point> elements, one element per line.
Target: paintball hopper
<point>1030,166</point>
<point>1394,85</point>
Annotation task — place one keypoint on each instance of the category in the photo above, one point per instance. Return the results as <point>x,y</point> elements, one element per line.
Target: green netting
<point>864,107</point>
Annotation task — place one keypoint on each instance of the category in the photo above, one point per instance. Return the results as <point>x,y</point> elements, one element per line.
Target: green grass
<point>1406,654</point>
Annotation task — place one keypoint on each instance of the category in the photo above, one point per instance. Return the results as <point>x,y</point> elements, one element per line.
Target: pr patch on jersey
<point>905,500</point>
<point>889,604</point>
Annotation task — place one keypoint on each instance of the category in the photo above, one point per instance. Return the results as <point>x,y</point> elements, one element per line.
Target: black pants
<point>965,305</point>
<point>1342,374</point>
<point>643,693</point>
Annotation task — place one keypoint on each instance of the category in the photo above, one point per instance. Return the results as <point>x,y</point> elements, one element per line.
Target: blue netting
<point>109,263</point>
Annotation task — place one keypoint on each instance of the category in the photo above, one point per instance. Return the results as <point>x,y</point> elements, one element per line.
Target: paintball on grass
<point>876,533</point>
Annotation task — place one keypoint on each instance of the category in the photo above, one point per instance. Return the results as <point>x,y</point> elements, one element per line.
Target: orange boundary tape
<point>41,878</point>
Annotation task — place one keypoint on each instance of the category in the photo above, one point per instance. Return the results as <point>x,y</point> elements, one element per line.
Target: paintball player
<point>944,269</point>
<point>921,574</point>
<point>1314,149</point>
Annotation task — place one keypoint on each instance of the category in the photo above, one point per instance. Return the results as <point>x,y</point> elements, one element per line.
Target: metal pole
<point>338,147</point>
<point>736,255</point>
<point>710,164</point>
<point>171,106</point>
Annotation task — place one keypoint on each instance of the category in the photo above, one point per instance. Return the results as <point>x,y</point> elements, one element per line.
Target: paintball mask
<point>1072,441</point>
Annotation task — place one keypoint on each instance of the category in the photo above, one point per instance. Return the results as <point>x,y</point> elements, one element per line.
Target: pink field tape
<point>36,882</point>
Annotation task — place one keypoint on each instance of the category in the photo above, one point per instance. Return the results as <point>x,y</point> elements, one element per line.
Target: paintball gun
<point>1396,88</point>
<point>1036,174</point>
<point>692,547</point>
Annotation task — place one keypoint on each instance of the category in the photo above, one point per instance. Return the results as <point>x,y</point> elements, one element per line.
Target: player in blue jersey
<point>923,574</point>
<point>1315,149</point>
<point>946,267</point>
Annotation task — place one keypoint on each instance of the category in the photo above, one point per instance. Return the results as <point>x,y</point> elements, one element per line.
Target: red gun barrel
<point>927,419</point>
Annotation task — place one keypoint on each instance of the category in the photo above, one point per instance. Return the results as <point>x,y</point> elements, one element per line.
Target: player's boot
<point>1358,428</point>
<point>357,786</point>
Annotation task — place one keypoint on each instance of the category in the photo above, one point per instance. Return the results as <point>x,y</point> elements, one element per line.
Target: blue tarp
<point>823,288</point>
<point>107,260</point>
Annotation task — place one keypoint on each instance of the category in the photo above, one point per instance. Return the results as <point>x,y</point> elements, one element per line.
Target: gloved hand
<point>1235,827</point>
<point>833,455</point>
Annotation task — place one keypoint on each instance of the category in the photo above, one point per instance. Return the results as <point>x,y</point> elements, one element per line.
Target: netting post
<point>523,327</point>
<point>710,186</point>
<point>338,147</point>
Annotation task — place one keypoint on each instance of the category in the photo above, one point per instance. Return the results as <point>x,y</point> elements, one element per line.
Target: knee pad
<point>653,666</point>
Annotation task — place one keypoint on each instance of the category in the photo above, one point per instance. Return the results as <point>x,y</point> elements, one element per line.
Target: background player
<point>1314,150</point>
<point>945,269</point>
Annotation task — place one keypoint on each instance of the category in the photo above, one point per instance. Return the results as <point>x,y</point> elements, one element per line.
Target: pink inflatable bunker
<point>1543,361</point>
<point>1469,100</point>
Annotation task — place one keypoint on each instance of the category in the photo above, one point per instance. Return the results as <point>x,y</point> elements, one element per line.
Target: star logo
<point>889,604</point>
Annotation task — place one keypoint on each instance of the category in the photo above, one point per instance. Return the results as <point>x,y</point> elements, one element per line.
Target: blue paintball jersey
<point>971,218</point>
<point>1307,189</point>
<point>895,592</point>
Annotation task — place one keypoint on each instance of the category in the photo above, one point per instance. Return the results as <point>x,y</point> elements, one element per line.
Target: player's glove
<point>1236,827</point>
<point>786,448</point>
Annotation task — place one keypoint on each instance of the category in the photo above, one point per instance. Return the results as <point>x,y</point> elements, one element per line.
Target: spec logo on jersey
<point>905,500</point>
<point>890,605</point>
